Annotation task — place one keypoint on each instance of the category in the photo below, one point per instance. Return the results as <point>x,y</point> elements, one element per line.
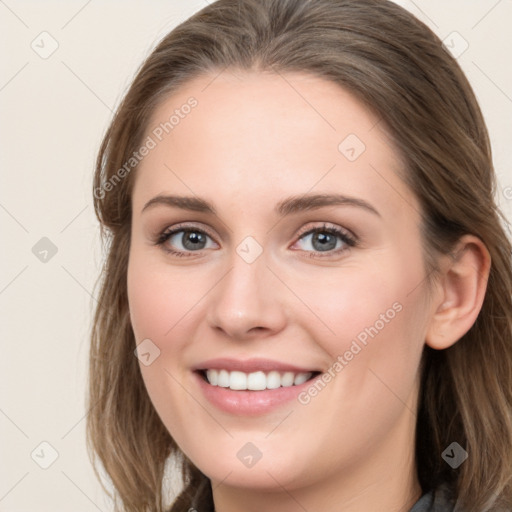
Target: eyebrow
<point>288,206</point>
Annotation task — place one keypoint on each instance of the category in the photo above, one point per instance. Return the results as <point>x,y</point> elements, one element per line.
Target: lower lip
<point>249,402</point>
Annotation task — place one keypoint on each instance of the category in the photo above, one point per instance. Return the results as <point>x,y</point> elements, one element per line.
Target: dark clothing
<point>439,500</point>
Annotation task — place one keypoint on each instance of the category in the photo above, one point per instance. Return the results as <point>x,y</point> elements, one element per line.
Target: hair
<point>397,66</point>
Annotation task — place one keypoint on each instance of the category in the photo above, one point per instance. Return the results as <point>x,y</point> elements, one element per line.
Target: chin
<point>265,467</point>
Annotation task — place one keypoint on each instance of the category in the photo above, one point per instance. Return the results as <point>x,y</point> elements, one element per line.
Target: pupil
<point>191,240</point>
<point>325,240</point>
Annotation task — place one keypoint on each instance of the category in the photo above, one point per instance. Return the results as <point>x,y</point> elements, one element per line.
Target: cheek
<point>161,308</point>
<point>370,320</point>
<point>361,302</point>
<point>159,299</point>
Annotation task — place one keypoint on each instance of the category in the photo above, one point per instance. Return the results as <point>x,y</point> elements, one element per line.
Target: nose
<point>248,302</point>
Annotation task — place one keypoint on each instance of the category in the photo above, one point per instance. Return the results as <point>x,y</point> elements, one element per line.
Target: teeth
<point>223,378</point>
<point>238,380</point>
<point>287,379</point>
<point>273,380</point>
<point>300,378</point>
<point>256,381</point>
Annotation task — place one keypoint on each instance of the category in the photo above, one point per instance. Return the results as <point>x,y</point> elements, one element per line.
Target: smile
<point>255,381</point>
<point>251,387</point>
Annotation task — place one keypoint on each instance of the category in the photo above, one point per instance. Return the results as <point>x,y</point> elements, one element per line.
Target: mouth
<point>255,381</point>
<point>252,387</point>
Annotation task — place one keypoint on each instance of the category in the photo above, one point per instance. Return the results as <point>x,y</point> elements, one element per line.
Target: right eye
<point>182,241</point>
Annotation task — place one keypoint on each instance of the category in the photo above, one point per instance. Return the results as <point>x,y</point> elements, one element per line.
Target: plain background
<point>55,109</point>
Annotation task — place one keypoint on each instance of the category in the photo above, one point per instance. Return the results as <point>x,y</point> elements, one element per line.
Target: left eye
<point>325,239</point>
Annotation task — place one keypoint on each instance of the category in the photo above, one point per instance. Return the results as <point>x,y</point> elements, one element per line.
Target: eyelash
<point>345,237</point>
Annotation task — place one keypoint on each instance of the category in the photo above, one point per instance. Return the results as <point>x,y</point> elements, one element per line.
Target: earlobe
<point>463,283</point>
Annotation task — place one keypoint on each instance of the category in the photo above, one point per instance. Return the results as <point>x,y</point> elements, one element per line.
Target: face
<point>282,307</point>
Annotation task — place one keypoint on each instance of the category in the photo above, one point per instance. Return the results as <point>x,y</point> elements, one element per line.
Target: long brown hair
<point>397,66</point>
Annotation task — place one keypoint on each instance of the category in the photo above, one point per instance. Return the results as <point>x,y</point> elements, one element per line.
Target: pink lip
<point>250,365</point>
<point>248,403</point>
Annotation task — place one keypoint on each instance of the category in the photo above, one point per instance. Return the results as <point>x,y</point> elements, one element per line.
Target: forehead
<point>253,136</point>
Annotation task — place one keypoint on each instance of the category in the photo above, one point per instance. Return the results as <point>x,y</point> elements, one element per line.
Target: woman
<point>306,259</point>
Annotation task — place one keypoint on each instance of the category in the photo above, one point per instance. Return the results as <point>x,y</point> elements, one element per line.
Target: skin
<point>253,140</point>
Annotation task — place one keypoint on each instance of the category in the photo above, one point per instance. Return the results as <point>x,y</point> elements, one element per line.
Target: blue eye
<point>328,240</point>
<point>191,239</point>
<point>184,241</point>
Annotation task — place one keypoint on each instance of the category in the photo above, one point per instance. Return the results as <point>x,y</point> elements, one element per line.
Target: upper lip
<point>250,365</point>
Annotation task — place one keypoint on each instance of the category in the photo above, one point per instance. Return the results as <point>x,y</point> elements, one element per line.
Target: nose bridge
<point>247,296</point>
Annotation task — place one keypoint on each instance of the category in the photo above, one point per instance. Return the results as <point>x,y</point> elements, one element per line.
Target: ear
<point>463,282</point>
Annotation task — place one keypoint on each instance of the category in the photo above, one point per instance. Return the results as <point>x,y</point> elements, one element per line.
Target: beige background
<point>54,112</point>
